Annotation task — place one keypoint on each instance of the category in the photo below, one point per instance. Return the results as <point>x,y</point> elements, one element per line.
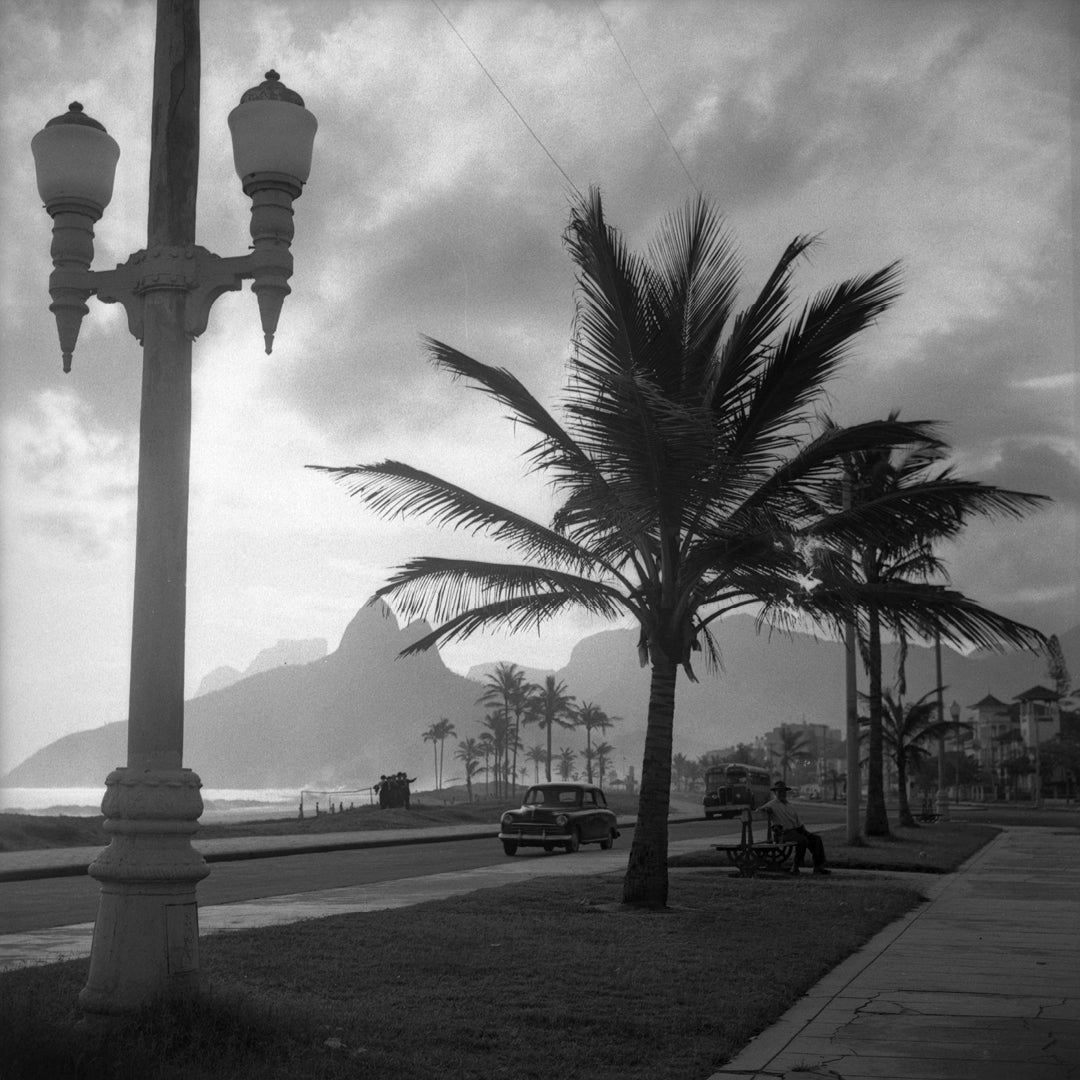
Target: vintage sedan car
<point>559,814</point>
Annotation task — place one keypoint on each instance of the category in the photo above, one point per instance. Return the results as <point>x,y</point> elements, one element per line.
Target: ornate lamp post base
<point>146,939</point>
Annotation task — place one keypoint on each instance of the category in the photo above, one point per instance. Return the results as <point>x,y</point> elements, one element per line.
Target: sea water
<point>219,804</point>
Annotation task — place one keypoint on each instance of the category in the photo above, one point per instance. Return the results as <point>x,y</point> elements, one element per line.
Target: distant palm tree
<point>444,729</point>
<point>592,718</point>
<point>537,755</point>
<point>486,743</point>
<point>497,723</point>
<point>566,762</point>
<point>469,753</point>
<point>508,688</point>
<point>549,705</point>
<point>684,477</point>
<point>603,752</point>
<point>431,735</point>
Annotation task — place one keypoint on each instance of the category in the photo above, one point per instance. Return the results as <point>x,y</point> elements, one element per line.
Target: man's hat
<point>780,786</point>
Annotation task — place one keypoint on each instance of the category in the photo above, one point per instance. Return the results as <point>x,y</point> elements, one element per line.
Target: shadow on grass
<point>546,978</point>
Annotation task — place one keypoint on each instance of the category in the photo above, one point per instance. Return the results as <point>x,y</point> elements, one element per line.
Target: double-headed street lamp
<point>146,936</point>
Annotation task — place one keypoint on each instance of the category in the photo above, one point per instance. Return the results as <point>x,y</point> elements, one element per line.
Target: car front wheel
<point>510,847</point>
<point>575,841</point>
<point>605,845</point>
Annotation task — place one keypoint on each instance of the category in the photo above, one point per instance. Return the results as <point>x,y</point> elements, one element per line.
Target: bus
<point>728,788</point>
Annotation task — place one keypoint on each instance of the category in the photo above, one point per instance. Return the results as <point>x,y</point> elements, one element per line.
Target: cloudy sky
<point>933,132</point>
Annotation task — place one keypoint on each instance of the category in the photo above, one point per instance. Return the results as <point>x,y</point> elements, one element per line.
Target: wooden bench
<point>750,858</point>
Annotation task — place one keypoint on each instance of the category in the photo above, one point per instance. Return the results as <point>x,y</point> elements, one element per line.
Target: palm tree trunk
<point>905,815</point>
<point>551,724</point>
<point>877,820</point>
<point>646,881</point>
<point>435,751</point>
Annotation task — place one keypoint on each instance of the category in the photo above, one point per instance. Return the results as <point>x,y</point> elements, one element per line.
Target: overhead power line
<point>630,68</point>
<point>506,98</point>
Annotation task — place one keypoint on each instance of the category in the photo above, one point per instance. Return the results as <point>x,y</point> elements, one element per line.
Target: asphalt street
<point>62,901</point>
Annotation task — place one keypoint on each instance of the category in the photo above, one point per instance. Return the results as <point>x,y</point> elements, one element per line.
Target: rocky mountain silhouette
<point>305,651</point>
<point>342,720</point>
<point>339,721</point>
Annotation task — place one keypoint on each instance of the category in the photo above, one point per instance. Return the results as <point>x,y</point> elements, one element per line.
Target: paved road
<point>35,905</point>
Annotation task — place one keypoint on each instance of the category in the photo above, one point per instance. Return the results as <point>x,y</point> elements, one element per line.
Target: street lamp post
<point>954,712</point>
<point>146,936</point>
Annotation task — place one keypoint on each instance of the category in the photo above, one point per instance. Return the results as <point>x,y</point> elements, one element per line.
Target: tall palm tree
<point>682,467</point>
<point>507,687</point>
<point>549,705</point>
<point>591,717</point>
<point>889,583</point>
<point>469,753</point>
<point>443,729</point>
<point>431,735</point>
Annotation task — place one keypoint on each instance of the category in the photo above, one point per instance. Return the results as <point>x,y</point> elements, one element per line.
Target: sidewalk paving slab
<point>982,982</point>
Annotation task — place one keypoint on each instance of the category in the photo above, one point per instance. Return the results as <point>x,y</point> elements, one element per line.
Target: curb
<point>481,832</point>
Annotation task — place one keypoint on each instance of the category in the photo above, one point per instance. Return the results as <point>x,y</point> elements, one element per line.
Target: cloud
<point>933,133</point>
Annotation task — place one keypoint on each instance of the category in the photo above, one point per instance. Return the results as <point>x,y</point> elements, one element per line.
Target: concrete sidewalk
<point>980,983</point>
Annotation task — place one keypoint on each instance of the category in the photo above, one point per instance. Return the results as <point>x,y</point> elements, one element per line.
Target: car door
<point>592,825</point>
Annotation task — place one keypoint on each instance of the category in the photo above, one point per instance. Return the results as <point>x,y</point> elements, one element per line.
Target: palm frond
<point>696,285</point>
<point>394,489</point>
<point>556,449</point>
<point>812,348</point>
<point>920,609</point>
<point>511,616</point>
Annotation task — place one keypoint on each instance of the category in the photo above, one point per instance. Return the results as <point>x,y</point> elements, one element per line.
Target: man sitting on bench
<point>780,812</point>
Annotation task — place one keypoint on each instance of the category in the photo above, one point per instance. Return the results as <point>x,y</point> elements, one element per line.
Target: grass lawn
<point>547,978</point>
<point>932,849</point>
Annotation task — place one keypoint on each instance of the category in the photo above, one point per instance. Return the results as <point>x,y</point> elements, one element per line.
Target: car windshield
<point>553,796</point>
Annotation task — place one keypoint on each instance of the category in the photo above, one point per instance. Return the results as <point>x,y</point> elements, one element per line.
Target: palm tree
<point>536,754</point>
<point>469,752</point>
<point>592,718</point>
<point>549,705</point>
<point>443,729</point>
<point>486,743</point>
<point>682,474</point>
<point>603,752</point>
<point>892,505</point>
<point>566,762</point>
<point>431,735</point>
<point>905,731</point>
<point>793,748</point>
<point>497,723</point>
<point>508,687</point>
